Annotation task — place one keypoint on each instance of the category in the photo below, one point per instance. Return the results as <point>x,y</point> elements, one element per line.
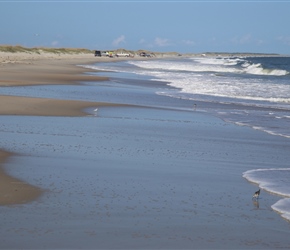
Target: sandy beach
<point>132,175</point>
<point>18,69</point>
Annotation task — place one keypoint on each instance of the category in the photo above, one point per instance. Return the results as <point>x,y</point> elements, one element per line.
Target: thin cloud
<point>247,39</point>
<point>284,39</point>
<point>161,42</point>
<point>142,41</point>
<point>243,39</point>
<point>157,42</point>
<point>119,40</point>
<point>54,43</point>
<point>188,42</point>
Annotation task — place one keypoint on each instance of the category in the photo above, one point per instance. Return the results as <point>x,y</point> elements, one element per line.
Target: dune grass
<point>39,50</point>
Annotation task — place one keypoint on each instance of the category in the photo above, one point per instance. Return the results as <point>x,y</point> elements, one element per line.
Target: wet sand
<point>13,190</point>
<point>11,105</point>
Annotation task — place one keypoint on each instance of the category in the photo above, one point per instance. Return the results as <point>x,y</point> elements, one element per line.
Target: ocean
<point>246,91</point>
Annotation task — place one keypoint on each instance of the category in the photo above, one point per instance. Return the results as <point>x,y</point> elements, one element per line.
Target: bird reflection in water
<point>256,204</point>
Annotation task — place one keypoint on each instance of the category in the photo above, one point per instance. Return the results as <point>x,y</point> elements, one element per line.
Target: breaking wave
<point>247,66</point>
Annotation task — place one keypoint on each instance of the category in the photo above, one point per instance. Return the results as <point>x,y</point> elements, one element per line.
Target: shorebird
<point>256,194</point>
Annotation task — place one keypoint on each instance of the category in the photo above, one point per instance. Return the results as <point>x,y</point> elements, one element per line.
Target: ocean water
<point>254,92</point>
<point>247,91</point>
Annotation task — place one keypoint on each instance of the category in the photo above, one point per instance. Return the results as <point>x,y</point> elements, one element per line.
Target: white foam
<point>219,61</point>
<point>211,64</point>
<point>204,76</point>
<point>282,207</point>
<point>276,181</point>
<point>275,133</point>
<point>236,88</point>
<point>273,180</point>
<point>257,69</point>
<point>249,68</point>
<point>190,66</point>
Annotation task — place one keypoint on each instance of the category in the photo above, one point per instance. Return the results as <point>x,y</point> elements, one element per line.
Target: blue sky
<point>182,26</point>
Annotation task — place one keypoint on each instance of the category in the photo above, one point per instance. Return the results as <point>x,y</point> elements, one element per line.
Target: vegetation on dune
<point>38,50</point>
<point>12,49</point>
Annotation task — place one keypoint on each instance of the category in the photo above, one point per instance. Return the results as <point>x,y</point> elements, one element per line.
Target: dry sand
<point>45,71</point>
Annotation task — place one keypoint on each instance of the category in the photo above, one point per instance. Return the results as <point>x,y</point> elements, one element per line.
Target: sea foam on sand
<point>276,181</point>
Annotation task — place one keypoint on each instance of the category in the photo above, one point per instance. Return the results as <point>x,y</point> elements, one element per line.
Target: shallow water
<point>145,177</point>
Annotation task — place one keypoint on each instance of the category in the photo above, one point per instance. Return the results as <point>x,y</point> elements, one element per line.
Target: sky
<point>165,26</point>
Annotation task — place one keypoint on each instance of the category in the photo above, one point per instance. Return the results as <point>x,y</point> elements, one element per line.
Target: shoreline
<point>27,70</point>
